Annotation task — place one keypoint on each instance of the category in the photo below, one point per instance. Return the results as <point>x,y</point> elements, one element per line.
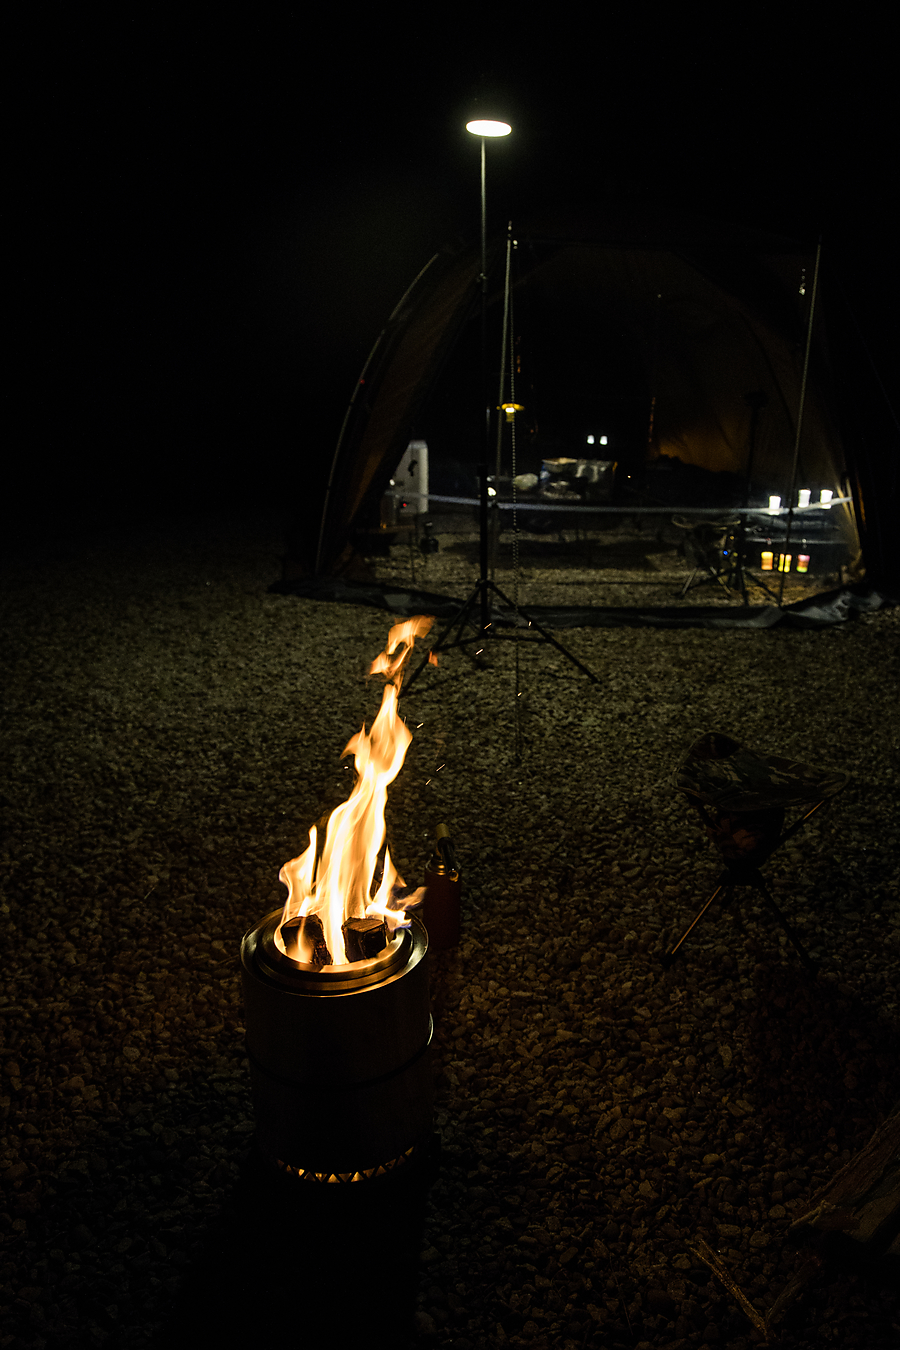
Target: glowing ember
<point>334,882</point>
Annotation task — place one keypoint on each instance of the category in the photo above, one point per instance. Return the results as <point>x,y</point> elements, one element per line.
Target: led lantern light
<point>487,127</point>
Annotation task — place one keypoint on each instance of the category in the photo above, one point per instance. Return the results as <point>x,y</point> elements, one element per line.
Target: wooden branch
<point>863,1200</point>
<point>705,1253</point>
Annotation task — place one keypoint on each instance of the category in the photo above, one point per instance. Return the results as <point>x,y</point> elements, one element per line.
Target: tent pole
<point>337,450</point>
<point>809,333</point>
<point>654,378</point>
<point>361,379</point>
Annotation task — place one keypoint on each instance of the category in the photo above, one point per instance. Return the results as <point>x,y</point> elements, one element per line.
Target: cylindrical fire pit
<point>339,1056</point>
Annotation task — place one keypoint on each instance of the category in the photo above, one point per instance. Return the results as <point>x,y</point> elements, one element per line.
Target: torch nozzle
<point>445,847</point>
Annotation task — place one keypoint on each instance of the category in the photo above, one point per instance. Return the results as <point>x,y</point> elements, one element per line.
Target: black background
<point>220,213</point>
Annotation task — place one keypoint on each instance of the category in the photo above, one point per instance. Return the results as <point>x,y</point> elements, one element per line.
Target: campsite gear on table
<point>742,798</point>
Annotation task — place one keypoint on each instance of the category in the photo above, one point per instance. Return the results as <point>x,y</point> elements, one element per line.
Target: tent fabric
<point>398,375</point>
<point>709,349</point>
<point>690,314</point>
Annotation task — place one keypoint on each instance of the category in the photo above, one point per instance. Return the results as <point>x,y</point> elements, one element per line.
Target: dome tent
<point>702,314</point>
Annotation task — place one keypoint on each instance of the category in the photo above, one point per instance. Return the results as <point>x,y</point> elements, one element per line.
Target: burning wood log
<point>304,940</point>
<point>364,938</point>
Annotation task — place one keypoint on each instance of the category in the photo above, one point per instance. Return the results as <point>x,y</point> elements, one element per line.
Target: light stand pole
<point>484,585</point>
<point>483,129</point>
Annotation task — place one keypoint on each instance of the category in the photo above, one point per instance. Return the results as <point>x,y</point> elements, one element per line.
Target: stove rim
<point>263,958</point>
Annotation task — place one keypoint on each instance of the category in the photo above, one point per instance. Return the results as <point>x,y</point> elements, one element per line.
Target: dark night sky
<point>225,213</point>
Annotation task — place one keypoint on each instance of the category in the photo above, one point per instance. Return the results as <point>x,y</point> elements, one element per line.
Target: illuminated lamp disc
<point>488,128</point>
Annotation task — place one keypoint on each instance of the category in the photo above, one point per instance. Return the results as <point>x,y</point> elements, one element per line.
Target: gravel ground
<point>171,732</point>
<point>623,564</point>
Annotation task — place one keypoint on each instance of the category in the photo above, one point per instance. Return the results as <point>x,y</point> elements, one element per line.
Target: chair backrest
<point>720,772</point>
<point>743,797</point>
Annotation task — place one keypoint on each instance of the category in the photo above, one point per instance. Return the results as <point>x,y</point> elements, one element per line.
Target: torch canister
<point>442,889</point>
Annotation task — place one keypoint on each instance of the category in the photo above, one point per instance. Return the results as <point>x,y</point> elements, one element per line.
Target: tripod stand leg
<point>759,885</point>
<point>462,617</point>
<point>673,951</point>
<point>743,582</point>
<point>458,622</point>
<point>548,637</point>
<point>755,581</point>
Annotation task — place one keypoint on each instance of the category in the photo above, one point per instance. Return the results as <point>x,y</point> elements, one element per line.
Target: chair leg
<point>759,885</point>
<point>688,584</point>
<point>724,885</point>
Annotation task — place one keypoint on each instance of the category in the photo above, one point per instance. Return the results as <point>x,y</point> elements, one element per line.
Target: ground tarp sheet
<point>816,611</point>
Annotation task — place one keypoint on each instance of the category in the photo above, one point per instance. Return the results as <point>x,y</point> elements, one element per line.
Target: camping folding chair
<point>710,546</point>
<point>742,799</point>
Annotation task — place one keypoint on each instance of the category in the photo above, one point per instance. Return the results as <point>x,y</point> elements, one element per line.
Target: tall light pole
<point>483,129</point>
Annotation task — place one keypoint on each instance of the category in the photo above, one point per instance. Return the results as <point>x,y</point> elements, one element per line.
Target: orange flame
<point>340,887</point>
